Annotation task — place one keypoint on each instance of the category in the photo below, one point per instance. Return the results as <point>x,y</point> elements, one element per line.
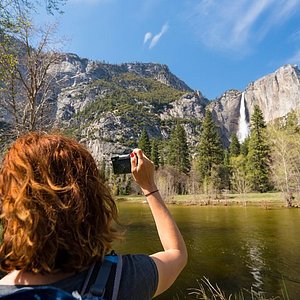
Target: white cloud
<point>238,24</point>
<point>158,36</point>
<point>243,26</point>
<point>147,37</point>
<point>155,39</point>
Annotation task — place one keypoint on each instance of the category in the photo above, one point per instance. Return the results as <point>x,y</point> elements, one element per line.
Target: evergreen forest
<point>268,160</point>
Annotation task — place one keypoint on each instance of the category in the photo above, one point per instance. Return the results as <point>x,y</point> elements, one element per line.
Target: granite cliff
<point>107,105</point>
<point>276,94</point>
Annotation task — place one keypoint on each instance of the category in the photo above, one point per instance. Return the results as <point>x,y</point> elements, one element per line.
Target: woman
<point>58,219</point>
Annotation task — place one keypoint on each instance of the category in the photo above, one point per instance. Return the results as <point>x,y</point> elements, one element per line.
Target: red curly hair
<point>57,213</point>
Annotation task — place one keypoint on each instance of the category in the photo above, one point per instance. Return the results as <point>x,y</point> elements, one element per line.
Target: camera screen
<point>121,164</point>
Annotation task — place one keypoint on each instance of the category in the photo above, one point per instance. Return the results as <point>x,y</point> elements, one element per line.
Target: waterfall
<point>243,130</point>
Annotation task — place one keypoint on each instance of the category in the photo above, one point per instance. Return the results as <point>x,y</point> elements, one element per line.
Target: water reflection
<point>255,263</point>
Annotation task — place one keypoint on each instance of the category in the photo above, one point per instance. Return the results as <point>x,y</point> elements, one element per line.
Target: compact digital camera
<point>121,164</point>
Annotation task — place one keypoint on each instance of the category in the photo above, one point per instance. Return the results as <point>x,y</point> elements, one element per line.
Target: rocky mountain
<point>276,94</point>
<point>226,113</point>
<point>106,105</point>
<point>75,70</point>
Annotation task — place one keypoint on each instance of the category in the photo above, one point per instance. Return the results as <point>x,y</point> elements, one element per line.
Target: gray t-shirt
<point>138,281</point>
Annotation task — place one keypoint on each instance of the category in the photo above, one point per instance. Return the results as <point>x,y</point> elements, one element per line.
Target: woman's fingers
<point>133,161</point>
<point>139,153</point>
<point>138,159</point>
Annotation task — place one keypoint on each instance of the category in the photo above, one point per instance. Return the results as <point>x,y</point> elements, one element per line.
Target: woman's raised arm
<point>173,258</point>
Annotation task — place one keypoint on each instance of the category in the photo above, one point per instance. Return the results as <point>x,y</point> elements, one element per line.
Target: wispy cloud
<point>238,24</point>
<point>158,36</point>
<point>147,37</point>
<point>155,39</point>
<point>243,26</point>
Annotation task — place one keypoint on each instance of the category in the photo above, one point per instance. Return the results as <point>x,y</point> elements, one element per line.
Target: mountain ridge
<point>107,105</point>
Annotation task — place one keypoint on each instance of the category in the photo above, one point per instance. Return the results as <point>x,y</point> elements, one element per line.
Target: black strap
<point>103,275</point>
<point>98,288</point>
<point>87,280</point>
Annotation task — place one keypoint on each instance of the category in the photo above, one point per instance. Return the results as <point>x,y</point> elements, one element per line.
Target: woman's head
<point>56,211</point>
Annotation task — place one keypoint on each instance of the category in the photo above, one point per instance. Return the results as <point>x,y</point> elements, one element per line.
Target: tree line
<point>268,160</point>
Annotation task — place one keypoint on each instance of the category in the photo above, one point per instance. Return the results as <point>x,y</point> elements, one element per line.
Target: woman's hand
<point>142,169</point>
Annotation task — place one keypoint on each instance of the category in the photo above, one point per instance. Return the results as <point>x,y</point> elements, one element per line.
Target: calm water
<point>236,247</point>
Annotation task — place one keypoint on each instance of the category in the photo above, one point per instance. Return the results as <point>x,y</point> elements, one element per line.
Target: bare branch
<point>28,86</point>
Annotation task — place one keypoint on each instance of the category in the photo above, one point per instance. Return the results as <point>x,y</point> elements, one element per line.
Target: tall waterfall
<point>243,130</point>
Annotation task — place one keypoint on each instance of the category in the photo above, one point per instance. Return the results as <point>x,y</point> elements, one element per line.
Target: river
<point>235,247</point>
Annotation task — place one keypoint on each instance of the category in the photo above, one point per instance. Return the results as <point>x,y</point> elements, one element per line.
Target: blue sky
<point>212,45</point>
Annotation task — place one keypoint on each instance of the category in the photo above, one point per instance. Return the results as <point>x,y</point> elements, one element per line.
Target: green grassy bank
<point>265,200</point>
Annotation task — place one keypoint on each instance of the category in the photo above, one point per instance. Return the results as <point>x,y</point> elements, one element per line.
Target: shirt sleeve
<point>139,278</point>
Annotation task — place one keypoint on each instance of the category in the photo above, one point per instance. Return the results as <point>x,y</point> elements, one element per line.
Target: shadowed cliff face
<point>226,113</point>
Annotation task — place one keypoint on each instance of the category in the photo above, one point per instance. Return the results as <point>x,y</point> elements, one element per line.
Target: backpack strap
<point>87,279</point>
<point>98,288</point>
<point>117,278</point>
<point>99,285</point>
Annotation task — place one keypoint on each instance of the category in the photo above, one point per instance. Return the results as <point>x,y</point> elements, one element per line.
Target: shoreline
<point>264,200</point>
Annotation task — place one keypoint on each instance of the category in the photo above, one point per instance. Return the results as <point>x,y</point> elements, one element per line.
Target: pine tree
<point>154,153</point>
<point>234,148</point>
<point>144,143</point>
<point>239,175</point>
<point>244,149</point>
<point>258,155</point>
<point>163,152</point>
<point>178,155</point>
<point>210,150</point>
<point>226,171</point>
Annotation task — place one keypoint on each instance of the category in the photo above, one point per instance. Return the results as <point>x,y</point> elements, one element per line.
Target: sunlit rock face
<point>76,75</point>
<point>79,85</point>
<point>190,105</point>
<point>190,108</point>
<point>276,94</point>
